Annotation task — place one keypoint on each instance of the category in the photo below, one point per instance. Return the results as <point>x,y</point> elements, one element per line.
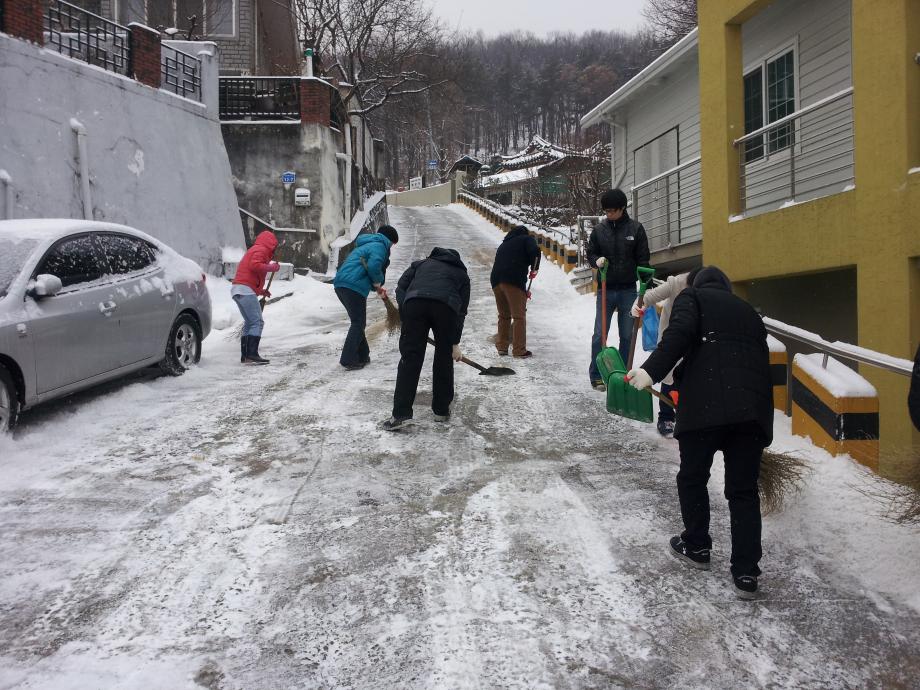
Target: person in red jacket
<point>246,290</point>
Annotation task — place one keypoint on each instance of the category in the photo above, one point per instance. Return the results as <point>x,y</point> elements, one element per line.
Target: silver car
<point>83,302</point>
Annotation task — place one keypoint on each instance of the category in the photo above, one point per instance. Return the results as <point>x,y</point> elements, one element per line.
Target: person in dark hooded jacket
<point>433,295</point>
<point>726,403</point>
<point>516,259</point>
<point>248,287</point>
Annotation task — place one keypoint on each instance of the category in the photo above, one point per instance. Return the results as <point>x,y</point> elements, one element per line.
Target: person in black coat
<point>726,403</point>
<point>433,295</point>
<point>620,243</point>
<point>913,396</point>
<point>517,256</point>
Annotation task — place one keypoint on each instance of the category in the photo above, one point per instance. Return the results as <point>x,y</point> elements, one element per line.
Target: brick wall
<point>24,19</point>
<point>315,101</point>
<point>145,55</point>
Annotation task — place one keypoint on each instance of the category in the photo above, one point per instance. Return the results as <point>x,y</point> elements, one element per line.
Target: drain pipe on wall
<point>7,194</point>
<point>83,162</point>
<point>333,264</point>
<point>347,158</point>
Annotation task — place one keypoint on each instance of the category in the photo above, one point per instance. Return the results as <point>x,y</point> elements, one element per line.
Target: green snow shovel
<point>623,399</point>
<point>608,359</point>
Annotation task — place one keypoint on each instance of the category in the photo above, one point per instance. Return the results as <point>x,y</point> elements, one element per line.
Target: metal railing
<point>181,72</point>
<point>260,98</point>
<point>805,155</point>
<point>838,349</point>
<point>79,34</point>
<point>670,205</point>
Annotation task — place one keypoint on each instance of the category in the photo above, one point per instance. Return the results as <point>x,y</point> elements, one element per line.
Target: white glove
<point>456,354</point>
<point>601,261</point>
<point>636,310</point>
<point>639,379</point>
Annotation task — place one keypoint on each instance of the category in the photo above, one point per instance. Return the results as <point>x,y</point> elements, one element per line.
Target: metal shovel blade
<point>497,371</point>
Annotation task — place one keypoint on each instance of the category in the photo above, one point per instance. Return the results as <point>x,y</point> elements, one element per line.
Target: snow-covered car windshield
<point>13,254</point>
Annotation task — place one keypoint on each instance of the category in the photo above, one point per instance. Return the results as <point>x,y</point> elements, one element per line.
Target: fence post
<point>145,55</point>
<point>667,207</point>
<point>635,203</point>
<point>24,19</point>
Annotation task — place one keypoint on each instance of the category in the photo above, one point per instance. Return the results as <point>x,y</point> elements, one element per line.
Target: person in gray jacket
<point>666,293</point>
<point>620,243</point>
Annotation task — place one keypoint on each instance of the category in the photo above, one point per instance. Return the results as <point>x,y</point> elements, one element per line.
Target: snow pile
<point>838,379</point>
<point>775,345</point>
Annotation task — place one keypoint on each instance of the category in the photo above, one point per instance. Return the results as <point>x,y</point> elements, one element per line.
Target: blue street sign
<point>432,165</point>
<point>288,177</point>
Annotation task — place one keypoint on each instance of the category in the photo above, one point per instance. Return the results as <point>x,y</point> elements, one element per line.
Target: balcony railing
<point>259,98</point>
<point>805,155</point>
<point>79,34</point>
<point>180,73</point>
<point>670,206</point>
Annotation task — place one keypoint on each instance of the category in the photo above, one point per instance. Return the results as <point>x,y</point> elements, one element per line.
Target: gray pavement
<point>265,533</point>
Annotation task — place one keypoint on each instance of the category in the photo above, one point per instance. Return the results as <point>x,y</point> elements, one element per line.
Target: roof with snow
<point>537,152</point>
<point>465,163</point>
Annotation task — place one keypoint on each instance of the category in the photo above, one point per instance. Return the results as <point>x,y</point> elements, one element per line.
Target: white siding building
<point>655,156</point>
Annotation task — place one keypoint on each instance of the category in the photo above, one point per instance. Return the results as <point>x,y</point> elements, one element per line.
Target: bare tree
<point>671,19</point>
<point>381,49</point>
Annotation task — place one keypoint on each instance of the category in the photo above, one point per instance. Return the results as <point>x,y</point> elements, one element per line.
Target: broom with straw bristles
<point>781,476</point>
<point>393,319</point>
<point>899,499</point>
<point>781,473</point>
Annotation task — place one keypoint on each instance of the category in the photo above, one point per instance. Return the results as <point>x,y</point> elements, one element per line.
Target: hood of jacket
<point>712,277</point>
<point>370,238</point>
<point>519,231</point>
<point>267,239</point>
<point>449,256</point>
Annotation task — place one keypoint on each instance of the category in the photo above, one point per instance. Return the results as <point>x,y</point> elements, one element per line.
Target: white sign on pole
<point>415,183</point>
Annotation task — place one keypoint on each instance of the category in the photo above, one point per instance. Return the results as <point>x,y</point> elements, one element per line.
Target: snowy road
<point>252,528</point>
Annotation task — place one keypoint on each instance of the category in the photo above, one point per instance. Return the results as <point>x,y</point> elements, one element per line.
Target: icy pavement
<point>252,527</point>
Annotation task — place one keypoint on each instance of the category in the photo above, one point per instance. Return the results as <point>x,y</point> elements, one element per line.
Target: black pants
<point>742,446</point>
<point>418,317</point>
<point>666,412</point>
<point>355,350</point>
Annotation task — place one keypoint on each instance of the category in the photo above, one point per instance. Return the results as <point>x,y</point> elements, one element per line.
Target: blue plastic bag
<point>650,328</point>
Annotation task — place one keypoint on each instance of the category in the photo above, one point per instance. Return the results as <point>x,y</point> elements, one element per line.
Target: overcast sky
<point>539,16</point>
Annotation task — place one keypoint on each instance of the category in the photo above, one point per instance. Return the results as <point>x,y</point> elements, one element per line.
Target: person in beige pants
<point>516,255</point>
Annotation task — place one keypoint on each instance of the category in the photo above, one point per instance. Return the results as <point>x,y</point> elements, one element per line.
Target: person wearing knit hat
<point>364,270</point>
<point>619,244</point>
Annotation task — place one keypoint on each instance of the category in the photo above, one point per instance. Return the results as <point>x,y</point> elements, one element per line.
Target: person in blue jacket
<point>354,282</point>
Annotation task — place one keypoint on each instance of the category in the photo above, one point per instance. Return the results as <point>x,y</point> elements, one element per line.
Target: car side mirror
<point>45,285</point>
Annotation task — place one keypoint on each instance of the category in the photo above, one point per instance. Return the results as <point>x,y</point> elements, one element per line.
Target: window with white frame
<point>769,95</point>
<point>211,18</point>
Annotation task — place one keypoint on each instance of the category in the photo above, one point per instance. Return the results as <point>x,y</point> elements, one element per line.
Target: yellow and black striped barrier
<point>839,423</point>
<point>779,373</point>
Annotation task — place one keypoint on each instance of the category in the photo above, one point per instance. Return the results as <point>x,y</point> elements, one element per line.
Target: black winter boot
<point>253,355</point>
<point>244,348</point>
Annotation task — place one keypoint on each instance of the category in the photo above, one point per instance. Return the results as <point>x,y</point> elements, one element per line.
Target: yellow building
<point>810,153</point>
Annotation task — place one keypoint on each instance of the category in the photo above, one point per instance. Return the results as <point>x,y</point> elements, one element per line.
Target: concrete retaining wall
<point>441,194</point>
<point>156,161</point>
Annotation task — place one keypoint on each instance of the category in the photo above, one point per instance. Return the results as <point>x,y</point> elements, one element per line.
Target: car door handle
<point>107,307</point>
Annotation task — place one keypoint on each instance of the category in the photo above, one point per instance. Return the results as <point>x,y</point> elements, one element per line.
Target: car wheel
<point>183,348</point>
<point>9,401</point>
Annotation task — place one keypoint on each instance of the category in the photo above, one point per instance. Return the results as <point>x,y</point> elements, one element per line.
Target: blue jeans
<point>355,350</point>
<point>252,314</point>
<point>620,300</point>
